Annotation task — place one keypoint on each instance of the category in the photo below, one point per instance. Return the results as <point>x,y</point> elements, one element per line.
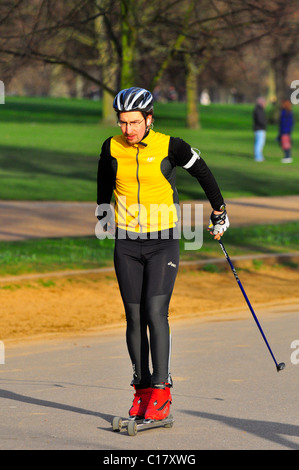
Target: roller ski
<point>150,409</point>
<point>132,426</point>
<point>137,425</point>
<point>136,412</point>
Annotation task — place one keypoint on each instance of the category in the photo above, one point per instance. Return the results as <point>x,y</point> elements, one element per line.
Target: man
<point>259,127</point>
<point>140,164</point>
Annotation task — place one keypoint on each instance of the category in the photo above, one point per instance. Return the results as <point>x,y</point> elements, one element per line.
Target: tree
<point>277,23</point>
<point>119,43</point>
<point>283,48</point>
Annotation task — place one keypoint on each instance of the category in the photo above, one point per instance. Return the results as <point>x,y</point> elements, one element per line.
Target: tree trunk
<point>271,93</point>
<point>108,60</point>
<point>191,93</point>
<point>280,66</point>
<point>129,41</point>
<point>108,113</point>
<point>273,112</point>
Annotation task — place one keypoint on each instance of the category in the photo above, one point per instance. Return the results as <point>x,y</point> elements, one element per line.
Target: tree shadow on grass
<point>39,174</point>
<point>240,182</point>
<point>47,162</point>
<point>51,112</point>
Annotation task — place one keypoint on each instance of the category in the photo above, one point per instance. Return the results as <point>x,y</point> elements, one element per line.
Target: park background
<point>206,63</point>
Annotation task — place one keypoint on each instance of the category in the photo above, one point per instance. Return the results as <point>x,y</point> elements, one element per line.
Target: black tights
<point>146,270</point>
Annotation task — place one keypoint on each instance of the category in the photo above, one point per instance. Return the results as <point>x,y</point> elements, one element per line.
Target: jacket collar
<point>147,138</point>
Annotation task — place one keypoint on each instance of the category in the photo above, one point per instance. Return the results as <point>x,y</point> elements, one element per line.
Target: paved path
<point>63,393</point>
<point>30,219</point>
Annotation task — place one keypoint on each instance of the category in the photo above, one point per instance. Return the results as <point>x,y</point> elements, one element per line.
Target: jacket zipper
<point>138,191</point>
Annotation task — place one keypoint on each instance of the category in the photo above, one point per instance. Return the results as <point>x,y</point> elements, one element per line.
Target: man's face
<point>133,126</point>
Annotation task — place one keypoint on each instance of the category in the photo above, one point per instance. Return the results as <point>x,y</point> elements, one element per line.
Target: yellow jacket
<point>143,178</point>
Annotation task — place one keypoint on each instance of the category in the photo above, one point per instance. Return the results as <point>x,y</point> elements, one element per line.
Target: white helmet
<point>133,99</point>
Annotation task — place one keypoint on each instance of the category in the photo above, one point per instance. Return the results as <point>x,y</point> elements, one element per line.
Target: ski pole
<point>279,366</point>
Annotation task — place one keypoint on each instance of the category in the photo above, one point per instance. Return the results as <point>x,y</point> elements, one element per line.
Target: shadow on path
<point>269,430</point>
<point>52,404</point>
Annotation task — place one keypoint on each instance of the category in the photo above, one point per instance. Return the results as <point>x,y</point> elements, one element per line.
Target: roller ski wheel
<point>138,425</point>
<point>119,423</point>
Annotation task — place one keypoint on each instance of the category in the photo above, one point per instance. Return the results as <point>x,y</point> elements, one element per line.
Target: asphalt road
<point>62,393</point>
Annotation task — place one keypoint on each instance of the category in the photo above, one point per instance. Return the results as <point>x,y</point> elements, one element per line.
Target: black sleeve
<point>106,177</point>
<point>181,154</point>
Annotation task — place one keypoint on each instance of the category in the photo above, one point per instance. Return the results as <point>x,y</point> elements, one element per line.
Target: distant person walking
<point>259,127</point>
<point>286,122</point>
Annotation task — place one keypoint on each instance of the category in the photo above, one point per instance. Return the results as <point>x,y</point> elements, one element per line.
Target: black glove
<point>219,222</point>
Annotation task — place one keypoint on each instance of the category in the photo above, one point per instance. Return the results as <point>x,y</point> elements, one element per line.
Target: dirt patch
<point>81,304</point>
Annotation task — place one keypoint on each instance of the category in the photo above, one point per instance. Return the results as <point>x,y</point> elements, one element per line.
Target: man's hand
<point>219,223</point>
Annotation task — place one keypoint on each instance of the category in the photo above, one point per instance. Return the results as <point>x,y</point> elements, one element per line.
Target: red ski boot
<point>159,403</point>
<point>140,402</point>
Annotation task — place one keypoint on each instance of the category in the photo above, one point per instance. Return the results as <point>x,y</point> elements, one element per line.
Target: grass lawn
<point>45,255</point>
<point>49,150</point>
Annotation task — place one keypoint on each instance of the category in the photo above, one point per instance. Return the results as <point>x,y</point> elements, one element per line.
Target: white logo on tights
<point>172,264</point>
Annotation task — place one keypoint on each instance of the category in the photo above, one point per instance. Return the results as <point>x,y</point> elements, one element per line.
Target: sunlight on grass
<point>47,255</point>
<point>49,150</point>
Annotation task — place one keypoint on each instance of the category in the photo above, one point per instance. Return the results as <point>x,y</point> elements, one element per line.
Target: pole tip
<point>280,366</point>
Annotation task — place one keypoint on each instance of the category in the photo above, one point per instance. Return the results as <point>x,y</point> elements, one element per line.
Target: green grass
<point>46,255</point>
<point>254,240</point>
<point>49,150</point>
<point>57,254</point>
